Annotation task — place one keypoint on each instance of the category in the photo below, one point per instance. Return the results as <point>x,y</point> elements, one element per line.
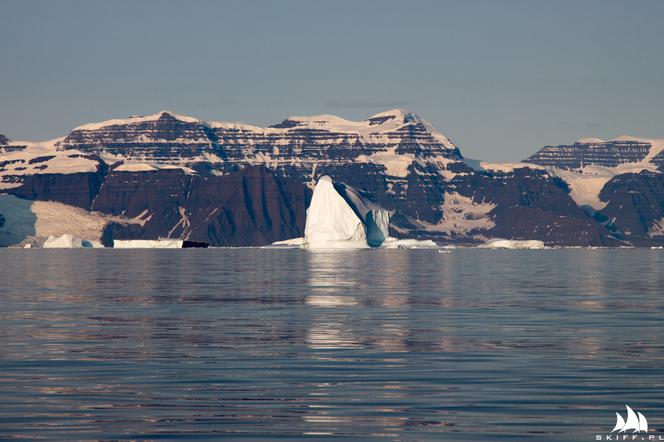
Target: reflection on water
<point>367,345</point>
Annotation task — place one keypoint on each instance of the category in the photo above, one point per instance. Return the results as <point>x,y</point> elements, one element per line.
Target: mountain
<point>167,175</point>
<point>619,181</point>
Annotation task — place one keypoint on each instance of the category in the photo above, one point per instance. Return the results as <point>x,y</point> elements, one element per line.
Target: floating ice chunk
<point>147,243</point>
<point>394,243</point>
<point>287,243</point>
<point>69,241</point>
<point>331,222</point>
<point>499,243</point>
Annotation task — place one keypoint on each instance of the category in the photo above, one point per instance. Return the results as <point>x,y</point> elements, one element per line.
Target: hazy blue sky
<point>500,78</point>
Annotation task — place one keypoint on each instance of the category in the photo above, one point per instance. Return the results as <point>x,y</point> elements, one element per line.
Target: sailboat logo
<point>636,422</point>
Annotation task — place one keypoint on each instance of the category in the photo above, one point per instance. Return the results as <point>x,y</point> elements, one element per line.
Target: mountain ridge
<point>404,163</point>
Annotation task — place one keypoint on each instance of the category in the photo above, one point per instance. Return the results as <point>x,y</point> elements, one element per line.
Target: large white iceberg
<point>331,222</point>
<point>341,217</point>
<point>499,243</point>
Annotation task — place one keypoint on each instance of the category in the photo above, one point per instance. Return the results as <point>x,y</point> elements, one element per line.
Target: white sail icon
<point>636,422</point>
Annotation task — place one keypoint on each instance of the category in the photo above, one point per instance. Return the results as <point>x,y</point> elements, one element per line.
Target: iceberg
<point>148,243</point>
<point>69,241</point>
<point>331,222</point>
<point>341,217</point>
<point>499,243</point>
<point>376,220</point>
<point>394,243</point>
<point>293,242</point>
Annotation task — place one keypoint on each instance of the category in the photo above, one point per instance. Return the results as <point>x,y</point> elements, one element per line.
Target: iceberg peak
<point>340,217</point>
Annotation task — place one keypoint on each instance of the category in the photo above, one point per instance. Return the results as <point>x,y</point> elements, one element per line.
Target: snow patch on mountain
<point>508,167</point>
<point>462,216</point>
<point>136,119</point>
<point>657,228</point>
<point>40,158</point>
<point>395,164</point>
<point>57,219</point>
<point>587,183</point>
<point>151,167</point>
<point>591,140</point>
<point>656,147</point>
<point>135,167</point>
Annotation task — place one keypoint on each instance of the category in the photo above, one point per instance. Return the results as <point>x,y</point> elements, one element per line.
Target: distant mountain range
<point>167,175</point>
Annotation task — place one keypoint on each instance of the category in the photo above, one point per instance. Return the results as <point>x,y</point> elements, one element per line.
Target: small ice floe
<point>498,243</point>
<point>394,243</point>
<point>162,243</point>
<point>293,242</point>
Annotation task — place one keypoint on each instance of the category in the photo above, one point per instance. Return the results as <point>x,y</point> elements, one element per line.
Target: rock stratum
<point>233,184</point>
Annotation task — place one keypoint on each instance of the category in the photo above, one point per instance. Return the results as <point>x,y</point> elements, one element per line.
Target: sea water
<point>264,344</point>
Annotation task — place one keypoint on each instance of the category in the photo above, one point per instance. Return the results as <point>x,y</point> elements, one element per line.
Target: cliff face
<point>619,179</point>
<point>636,207</point>
<point>76,189</point>
<point>591,152</point>
<point>530,204</point>
<point>248,207</point>
<point>237,184</point>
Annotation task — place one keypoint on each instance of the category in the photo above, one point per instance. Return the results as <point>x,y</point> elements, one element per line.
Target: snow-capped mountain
<point>236,184</point>
<point>620,180</point>
<point>598,152</point>
<point>168,138</point>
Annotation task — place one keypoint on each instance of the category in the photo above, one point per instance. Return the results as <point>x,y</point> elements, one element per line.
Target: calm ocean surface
<point>395,345</point>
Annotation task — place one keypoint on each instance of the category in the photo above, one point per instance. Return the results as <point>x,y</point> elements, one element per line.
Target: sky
<point>500,78</point>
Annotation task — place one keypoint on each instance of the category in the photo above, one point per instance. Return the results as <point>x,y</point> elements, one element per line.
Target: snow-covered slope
<point>590,163</point>
<point>25,221</point>
<point>20,158</point>
<point>598,152</point>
